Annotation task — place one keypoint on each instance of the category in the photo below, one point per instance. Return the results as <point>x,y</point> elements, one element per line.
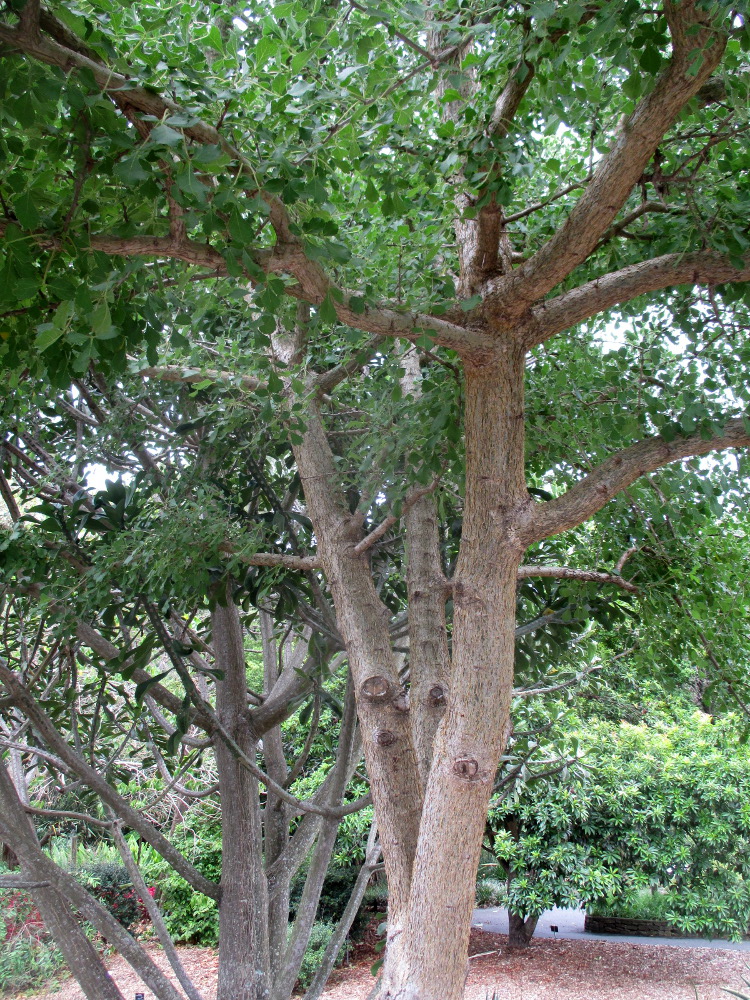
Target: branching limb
<point>302,563</point>
<point>532,691</point>
<point>693,38</point>
<point>569,573</point>
<point>157,920</point>
<point>414,496</point>
<point>592,492</point>
<point>43,725</point>
<point>701,268</point>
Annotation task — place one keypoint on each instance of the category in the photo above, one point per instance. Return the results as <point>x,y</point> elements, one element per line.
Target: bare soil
<point>547,970</point>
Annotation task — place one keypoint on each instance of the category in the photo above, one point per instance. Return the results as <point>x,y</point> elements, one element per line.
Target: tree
<point>581,168</point>
<point>647,806</point>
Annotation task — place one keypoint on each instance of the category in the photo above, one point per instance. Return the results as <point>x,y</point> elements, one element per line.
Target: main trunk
<point>432,962</point>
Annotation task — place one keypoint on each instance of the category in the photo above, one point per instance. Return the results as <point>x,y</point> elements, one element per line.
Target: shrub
<point>28,963</point>
<point>490,892</point>
<point>646,905</point>
<point>337,888</point>
<point>191,917</point>
<point>320,935</point>
<point>110,883</point>
<point>19,915</point>
<point>28,958</point>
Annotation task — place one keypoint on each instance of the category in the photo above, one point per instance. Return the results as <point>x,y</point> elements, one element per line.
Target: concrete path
<point>569,924</point>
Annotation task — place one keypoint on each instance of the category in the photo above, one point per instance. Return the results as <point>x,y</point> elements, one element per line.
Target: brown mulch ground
<point>547,970</point>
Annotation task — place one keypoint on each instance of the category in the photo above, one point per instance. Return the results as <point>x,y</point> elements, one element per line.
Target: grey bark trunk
<point>429,662</point>
<point>362,620</point>
<point>243,908</point>
<point>320,860</point>
<point>520,930</point>
<point>55,905</point>
<point>334,946</point>
<point>275,813</point>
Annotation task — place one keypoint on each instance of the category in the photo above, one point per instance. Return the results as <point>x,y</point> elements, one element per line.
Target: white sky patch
<point>96,476</point>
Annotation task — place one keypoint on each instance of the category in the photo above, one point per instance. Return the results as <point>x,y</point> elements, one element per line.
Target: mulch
<point>546,970</point>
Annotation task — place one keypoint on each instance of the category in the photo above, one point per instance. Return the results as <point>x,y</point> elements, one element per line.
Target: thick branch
<point>592,492</point>
<point>569,573</point>
<point>287,257</point>
<point>302,563</point>
<point>619,171</point>
<point>413,497</point>
<point>564,311</point>
<point>104,648</point>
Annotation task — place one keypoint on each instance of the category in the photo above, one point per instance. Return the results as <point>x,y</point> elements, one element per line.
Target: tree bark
<point>520,930</point>
<point>79,953</point>
<point>244,970</point>
<point>432,963</point>
<point>363,622</point>
<point>275,813</point>
<point>429,659</point>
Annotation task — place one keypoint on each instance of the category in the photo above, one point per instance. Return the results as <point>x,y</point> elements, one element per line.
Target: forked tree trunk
<point>429,659</point>
<point>432,963</point>
<point>520,930</point>
<point>243,908</point>
<point>275,814</point>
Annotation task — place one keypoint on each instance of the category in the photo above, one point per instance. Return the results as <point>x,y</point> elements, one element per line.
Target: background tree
<point>645,807</point>
<point>514,203</point>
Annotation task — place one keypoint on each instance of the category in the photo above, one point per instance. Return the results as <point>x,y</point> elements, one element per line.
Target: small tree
<point>645,807</point>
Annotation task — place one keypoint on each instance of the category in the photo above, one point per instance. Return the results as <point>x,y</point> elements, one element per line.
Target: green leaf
<point>130,169</point>
<point>47,334</point>
<point>163,135</point>
<point>26,210</point>
<point>141,690</point>
<point>650,60</point>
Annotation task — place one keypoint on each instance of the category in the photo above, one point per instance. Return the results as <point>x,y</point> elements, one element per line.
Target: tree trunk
<point>275,813</point>
<point>432,962</point>
<point>362,619</point>
<point>66,931</point>
<point>320,859</point>
<point>520,930</point>
<point>243,907</point>
<point>429,660</point>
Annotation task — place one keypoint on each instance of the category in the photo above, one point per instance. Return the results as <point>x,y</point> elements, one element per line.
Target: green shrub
<point>337,888</point>
<point>28,963</point>
<point>28,957</point>
<point>191,917</point>
<point>490,892</point>
<point>110,883</point>
<point>646,905</point>
<point>320,935</point>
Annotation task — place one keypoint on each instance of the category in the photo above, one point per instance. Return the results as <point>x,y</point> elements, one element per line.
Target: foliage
<point>664,805</point>
<point>28,957</point>
<point>110,883</point>
<point>28,963</point>
<point>190,917</point>
<point>321,934</point>
<point>308,180</point>
<point>490,892</point>
<point>337,888</point>
<point>644,905</point>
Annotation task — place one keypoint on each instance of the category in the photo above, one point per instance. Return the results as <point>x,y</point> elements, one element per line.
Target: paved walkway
<point>569,924</point>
